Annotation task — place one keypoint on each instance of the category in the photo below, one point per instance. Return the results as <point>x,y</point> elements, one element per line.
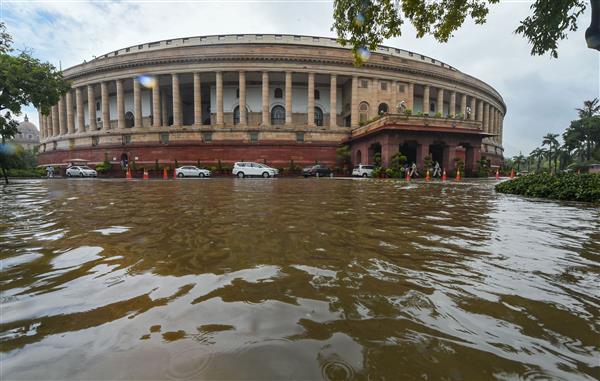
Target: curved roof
<point>27,127</point>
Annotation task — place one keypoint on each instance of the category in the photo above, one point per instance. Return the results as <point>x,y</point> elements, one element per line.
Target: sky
<point>541,93</point>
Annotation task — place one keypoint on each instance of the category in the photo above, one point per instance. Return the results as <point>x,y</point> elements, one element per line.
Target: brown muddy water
<point>295,279</point>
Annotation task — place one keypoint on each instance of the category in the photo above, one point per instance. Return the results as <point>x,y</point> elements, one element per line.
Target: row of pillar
<point>61,119</point>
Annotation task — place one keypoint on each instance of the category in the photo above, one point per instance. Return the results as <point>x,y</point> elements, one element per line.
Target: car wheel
<point>265,175</point>
<point>240,175</point>
<point>81,175</point>
<point>201,175</point>
<point>305,176</point>
<point>68,174</point>
<point>365,175</point>
<point>180,175</point>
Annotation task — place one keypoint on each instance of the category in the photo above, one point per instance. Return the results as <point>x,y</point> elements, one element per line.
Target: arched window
<point>363,112</point>
<point>278,93</point>
<point>277,115</point>
<point>317,94</point>
<point>236,114</point>
<point>129,119</point>
<point>358,157</point>
<point>382,109</point>
<point>318,116</point>
<point>432,107</point>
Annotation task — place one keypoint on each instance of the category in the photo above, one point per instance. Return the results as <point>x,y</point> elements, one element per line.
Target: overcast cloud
<point>541,93</point>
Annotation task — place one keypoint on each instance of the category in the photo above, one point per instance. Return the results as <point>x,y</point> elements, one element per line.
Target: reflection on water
<point>295,279</point>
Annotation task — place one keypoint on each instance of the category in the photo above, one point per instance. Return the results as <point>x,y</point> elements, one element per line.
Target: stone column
<point>501,129</point>
<point>242,105</point>
<point>219,95</point>
<point>41,123</point>
<point>79,111</point>
<point>137,103</point>
<point>333,101</point>
<point>91,99</point>
<point>105,106</point>
<point>480,112</point>
<point>393,109</point>
<point>177,120</point>
<point>422,152</point>
<point>156,111</point>
<point>486,117</point>
<point>440,101</point>
<point>463,106</point>
<point>449,153</point>
<point>426,100</point>
<point>410,102</point>
<point>452,108</point>
<point>288,98</point>
<point>472,156</point>
<point>120,105</point>
<point>163,110</point>
<point>310,112</point>
<point>70,115</point>
<point>374,109</point>
<point>473,108</point>
<point>198,99</point>
<point>266,121</point>
<point>62,119</point>
<point>354,103</point>
<point>55,124</point>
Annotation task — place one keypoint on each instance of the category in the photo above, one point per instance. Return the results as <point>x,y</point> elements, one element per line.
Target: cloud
<point>541,93</point>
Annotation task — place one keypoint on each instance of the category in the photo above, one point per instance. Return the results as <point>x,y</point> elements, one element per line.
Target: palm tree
<point>550,141</point>
<point>537,155</point>
<point>518,160</point>
<point>589,109</point>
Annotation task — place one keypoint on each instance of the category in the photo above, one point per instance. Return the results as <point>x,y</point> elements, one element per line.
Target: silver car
<point>246,169</point>
<point>81,171</point>
<point>192,171</point>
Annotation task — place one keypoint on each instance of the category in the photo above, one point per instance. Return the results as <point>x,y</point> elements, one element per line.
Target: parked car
<point>192,171</point>
<point>244,169</point>
<point>81,171</point>
<point>315,170</point>
<point>363,170</point>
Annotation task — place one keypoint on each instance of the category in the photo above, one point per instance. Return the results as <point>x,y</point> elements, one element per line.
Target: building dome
<point>28,135</point>
<point>26,127</point>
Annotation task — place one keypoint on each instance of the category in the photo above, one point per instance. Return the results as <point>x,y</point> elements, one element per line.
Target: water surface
<point>295,279</point>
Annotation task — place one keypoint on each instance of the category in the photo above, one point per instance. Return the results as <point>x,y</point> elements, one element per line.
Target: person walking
<point>413,170</point>
<point>437,171</point>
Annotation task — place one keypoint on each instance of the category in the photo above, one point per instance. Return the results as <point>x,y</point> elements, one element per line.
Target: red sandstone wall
<point>276,155</point>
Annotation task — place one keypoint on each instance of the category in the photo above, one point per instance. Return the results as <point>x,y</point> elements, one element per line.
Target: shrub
<point>564,186</point>
<point>408,112</point>
<point>438,114</point>
<point>26,172</point>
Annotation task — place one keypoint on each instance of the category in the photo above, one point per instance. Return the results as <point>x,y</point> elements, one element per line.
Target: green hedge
<point>566,186</point>
<point>31,172</point>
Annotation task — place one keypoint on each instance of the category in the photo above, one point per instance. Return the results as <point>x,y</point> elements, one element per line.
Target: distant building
<point>28,136</point>
<point>271,98</point>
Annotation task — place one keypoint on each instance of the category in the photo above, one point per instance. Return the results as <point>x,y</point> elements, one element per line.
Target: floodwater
<point>295,279</point>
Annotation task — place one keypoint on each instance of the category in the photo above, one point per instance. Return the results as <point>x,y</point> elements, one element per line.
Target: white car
<point>81,171</point>
<point>192,171</point>
<point>244,169</point>
<point>363,170</point>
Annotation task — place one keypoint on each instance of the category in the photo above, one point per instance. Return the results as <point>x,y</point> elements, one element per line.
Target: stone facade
<point>251,97</point>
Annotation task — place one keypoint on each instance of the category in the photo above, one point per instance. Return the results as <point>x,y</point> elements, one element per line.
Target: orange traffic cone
<point>512,173</point>
<point>444,175</point>
<point>146,177</point>
<point>165,174</point>
<point>128,175</point>
<point>427,178</point>
<point>457,174</point>
<point>407,175</point>
<point>497,174</point>
<point>174,173</point>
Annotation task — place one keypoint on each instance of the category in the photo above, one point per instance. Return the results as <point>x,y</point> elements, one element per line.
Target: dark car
<point>315,170</point>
